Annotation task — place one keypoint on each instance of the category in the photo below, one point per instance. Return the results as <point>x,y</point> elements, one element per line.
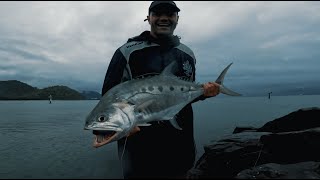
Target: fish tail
<point>224,89</point>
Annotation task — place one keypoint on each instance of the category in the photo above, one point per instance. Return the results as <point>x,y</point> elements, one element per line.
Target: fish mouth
<point>103,137</point>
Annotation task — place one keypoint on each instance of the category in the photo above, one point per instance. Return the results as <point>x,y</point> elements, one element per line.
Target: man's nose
<point>163,17</point>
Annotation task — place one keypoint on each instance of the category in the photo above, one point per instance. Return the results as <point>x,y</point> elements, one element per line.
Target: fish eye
<point>101,118</point>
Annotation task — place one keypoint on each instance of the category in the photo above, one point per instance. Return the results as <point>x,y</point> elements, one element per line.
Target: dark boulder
<point>303,170</point>
<point>249,148</point>
<point>301,119</point>
<point>244,129</point>
<point>226,157</point>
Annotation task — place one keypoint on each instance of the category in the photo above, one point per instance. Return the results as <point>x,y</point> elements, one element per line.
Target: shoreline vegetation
<point>17,90</point>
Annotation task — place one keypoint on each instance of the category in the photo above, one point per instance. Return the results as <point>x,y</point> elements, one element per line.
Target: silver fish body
<point>140,101</point>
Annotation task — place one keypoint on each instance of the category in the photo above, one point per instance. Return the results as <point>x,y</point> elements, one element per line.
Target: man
<point>158,150</point>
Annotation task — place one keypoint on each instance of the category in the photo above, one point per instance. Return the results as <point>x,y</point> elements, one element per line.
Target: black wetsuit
<point>158,150</point>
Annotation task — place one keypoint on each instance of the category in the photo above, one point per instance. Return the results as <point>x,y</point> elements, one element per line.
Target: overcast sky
<point>71,43</point>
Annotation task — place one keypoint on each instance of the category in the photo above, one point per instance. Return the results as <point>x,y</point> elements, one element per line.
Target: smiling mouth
<point>103,137</point>
<point>163,25</point>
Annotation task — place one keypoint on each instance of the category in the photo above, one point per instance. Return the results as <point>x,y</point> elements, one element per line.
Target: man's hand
<point>133,131</point>
<point>211,89</point>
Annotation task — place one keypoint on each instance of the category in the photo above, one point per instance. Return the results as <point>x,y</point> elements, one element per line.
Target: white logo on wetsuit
<point>187,68</point>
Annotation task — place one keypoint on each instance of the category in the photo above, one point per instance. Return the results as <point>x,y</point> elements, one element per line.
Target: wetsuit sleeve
<point>114,72</point>
<point>200,98</point>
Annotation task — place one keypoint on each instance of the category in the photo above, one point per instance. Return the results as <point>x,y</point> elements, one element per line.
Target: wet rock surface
<point>287,147</point>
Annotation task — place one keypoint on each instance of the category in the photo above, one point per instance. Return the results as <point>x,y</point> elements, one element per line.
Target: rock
<point>285,143</point>
<point>226,157</point>
<point>244,129</point>
<point>303,170</point>
<point>301,119</point>
<point>292,147</point>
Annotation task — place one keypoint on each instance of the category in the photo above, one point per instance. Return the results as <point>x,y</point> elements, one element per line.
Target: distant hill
<point>59,92</point>
<point>16,90</point>
<point>12,89</point>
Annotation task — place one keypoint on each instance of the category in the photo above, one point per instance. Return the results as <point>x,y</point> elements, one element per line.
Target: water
<point>42,140</point>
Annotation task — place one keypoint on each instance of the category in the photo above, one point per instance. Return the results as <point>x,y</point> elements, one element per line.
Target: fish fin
<point>145,124</point>
<point>223,89</point>
<point>227,91</point>
<point>185,79</point>
<point>174,123</point>
<point>122,104</point>
<point>169,69</point>
<point>223,73</point>
<point>141,107</point>
<point>130,102</point>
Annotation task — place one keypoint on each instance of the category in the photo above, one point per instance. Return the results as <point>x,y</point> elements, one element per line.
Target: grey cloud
<point>285,49</point>
<point>25,54</point>
<point>71,43</point>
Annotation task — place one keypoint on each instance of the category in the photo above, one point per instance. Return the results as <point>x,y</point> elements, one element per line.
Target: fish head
<point>109,122</point>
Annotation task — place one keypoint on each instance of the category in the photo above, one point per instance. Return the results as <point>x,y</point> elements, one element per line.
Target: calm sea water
<point>42,140</point>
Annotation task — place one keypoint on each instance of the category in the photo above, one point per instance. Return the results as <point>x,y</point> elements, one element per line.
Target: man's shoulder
<point>129,47</point>
<point>132,44</point>
<point>183,47</point>
<point>136,45</point>
<point>136,41</point>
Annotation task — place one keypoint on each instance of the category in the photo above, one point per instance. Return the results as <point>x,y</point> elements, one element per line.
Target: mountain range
<point>17,90</point>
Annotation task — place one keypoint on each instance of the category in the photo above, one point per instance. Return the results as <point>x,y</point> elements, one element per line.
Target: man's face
<point>163,23</point>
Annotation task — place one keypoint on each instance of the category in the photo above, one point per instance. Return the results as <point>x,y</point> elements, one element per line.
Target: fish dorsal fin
<point>169,69</point>
<point>184,78</point>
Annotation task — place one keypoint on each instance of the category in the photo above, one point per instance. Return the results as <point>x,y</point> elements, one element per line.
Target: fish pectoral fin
<point>143,106</point>
<point>123,104</point>
<point>175,124</point>
<point>130,102</point>
<point>145,124</point>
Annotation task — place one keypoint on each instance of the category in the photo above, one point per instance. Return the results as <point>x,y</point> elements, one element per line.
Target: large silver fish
<point>140,101</point>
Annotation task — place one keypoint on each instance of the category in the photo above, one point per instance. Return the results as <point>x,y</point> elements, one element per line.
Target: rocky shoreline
<point>286,148</point>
